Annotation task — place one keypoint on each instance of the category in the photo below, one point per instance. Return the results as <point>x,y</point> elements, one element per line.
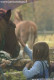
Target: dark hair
<point>41,51</point>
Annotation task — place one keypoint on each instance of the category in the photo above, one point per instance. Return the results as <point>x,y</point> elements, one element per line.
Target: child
<point>40,57</point>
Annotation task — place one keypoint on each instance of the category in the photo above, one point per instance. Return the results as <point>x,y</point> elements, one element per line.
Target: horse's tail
<point>32,33</point>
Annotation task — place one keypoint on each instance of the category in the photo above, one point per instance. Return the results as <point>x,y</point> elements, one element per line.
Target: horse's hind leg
<point>23,53</point>
<point>31,40</point>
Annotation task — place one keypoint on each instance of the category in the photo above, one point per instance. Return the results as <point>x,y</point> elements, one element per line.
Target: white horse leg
<point>31,40</point>
<point>22,49</point>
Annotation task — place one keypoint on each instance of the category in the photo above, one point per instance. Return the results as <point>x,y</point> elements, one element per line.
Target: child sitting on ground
<point>41,62</point>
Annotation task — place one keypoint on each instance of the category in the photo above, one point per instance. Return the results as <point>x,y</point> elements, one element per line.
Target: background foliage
<point>41,12</point>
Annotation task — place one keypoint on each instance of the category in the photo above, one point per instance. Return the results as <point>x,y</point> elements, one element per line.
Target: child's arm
<point>35,70</point>
<point>26,49</point>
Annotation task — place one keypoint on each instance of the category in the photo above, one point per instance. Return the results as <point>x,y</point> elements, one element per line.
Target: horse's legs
<point>25,39</point>
<point>23,51</point>
<point>31,40</point>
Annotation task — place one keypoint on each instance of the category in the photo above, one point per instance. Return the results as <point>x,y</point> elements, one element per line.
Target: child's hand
<point>28,65</point>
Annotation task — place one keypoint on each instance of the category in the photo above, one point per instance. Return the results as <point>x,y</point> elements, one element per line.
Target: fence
<point>45,32</point>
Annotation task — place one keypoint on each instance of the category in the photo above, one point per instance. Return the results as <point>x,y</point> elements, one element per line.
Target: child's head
<point>41,51</point>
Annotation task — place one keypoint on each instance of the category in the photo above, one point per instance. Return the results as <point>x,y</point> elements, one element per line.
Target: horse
<point>26,29</point>
<point>8,40</point>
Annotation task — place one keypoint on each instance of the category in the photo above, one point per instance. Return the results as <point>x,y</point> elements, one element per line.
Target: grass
<point>47,38</point>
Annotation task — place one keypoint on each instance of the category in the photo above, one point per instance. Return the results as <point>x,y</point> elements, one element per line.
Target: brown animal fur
<point>27,30</point>
<point>7,33</point>
<point>11,43</point>
<point>2,31</point>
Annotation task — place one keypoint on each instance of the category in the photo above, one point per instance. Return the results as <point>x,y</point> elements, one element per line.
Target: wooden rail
<point>51,50</point>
